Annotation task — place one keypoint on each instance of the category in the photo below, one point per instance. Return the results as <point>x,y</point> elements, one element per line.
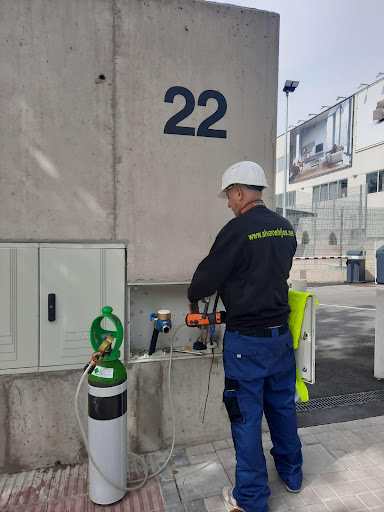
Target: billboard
<point>370,116</point>
<point>323,144</point>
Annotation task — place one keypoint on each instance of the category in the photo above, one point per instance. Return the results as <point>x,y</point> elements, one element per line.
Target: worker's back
<point>255,293</point>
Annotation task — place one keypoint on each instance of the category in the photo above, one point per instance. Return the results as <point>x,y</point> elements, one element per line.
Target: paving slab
<point>200,449</point>
<point>65,489</point>
<point>195,506</point>
<point>214,504</point>
<point>201,480</point>
<point>334,480</point>
<point>317,460</point>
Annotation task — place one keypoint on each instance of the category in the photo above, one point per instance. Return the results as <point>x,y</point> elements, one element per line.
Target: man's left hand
<point>193,307</point>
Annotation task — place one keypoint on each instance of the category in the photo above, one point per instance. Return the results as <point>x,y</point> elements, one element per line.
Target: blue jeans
<point>260,374</point>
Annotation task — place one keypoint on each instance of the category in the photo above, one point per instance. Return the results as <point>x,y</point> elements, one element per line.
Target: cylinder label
<point>102,371</point>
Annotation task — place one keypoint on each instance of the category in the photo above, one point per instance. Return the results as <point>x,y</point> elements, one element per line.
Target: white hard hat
<point>243,173</point>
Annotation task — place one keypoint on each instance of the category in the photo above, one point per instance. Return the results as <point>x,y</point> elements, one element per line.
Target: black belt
<point>260,332</point>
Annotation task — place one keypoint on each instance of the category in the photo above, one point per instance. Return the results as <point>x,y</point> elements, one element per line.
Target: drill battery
<point>201,320</point>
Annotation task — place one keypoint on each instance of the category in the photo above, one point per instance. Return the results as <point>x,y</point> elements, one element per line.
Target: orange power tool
<point>204,319</point>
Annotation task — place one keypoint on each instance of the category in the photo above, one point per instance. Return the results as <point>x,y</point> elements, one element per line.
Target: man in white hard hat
<point>249,265</point>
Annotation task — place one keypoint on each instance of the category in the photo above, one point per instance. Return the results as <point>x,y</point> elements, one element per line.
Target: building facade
<point>335,182</point>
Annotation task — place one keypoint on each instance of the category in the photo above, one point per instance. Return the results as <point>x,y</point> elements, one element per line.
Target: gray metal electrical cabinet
<point>380,265</point>
<point>50,294</point>
<point>19,310</point>
<point>79,279</point>
<point>356,266</point>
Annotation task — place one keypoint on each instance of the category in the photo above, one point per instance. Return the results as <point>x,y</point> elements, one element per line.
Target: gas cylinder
<point>107,414</point>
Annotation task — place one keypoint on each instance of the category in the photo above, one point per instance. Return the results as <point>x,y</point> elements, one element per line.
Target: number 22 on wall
<point>204,129</point>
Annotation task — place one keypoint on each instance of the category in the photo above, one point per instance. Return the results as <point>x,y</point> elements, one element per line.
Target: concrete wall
<point>168,183</point>
<point>38,427</point>
<point>56,123</point>
<point>37,420</point>
<point>376,200</point>
<point>330,271</point>
<point>86,159</point>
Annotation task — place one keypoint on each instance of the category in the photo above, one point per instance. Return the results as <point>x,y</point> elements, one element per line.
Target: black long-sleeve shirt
<point>249,265</point>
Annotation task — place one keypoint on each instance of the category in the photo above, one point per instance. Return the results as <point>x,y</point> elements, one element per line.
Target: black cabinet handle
<point>51,307</point>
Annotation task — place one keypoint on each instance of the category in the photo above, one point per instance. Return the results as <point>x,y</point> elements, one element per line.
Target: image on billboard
<point>370,116</point>
<point>323,144</point>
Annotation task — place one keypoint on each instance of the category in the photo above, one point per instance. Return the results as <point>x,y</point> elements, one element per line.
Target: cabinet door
<point>81,281</point>
<point>19,302</point>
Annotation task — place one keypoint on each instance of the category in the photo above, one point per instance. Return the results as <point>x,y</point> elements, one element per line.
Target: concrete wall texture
<point>86,159</point>
<point>37,420</point>
<point>56,123</point>
<point>38,426</point>
<point>209,47</point>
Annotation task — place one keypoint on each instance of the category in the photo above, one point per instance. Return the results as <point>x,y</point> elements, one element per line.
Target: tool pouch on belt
<point>231,401</point>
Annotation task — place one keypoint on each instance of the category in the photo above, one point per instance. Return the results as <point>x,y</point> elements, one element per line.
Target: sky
<point>331,47</point>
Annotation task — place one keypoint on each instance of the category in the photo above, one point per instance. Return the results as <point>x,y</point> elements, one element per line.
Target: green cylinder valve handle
<point>98,334</point>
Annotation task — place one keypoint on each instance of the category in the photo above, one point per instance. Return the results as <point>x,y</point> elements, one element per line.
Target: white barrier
<point>321,258</point>
<point>379,335</point>
<point>299,285</point>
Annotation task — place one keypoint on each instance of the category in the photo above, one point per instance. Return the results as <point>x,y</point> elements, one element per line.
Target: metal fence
<point>332,227</point>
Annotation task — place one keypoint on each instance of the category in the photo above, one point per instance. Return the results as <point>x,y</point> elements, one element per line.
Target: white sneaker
<point>229,500</point>
<point>292,490</point>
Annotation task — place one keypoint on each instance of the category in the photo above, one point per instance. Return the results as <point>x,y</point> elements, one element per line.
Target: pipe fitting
<point>163,324</point>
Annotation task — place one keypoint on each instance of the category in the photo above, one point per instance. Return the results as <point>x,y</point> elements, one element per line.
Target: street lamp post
<point>289,86</point>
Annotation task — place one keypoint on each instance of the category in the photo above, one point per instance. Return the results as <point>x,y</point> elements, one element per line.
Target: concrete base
<point>319,275</point>
<point>330,275</point>
<point>324,271</point>
<point>38,427</point>
<point>37,420</point>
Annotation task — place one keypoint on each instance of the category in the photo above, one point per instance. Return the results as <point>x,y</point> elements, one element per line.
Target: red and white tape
<point>320,258</point>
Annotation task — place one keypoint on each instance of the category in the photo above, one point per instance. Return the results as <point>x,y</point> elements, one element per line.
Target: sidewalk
<point>343,470</point>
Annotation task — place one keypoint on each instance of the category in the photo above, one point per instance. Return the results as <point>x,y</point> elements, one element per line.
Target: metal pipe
<point>365,211</point>
<point>341,234</point>
<point>314,229</point>
<point>361,216</point>
<point>286,162</point>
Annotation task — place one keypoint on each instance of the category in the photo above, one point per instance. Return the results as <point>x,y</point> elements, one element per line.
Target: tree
<point>305,238</point>
<point>332,240</point>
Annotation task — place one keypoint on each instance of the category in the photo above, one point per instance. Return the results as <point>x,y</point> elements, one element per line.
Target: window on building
<point>334,190</point>
<point>372,182</point>
<point>324,192</point>
<point>280,163</point>
<point>316,194</point>
<point>343,188</point>
<point>375,182</point>
<point>291,199</point>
